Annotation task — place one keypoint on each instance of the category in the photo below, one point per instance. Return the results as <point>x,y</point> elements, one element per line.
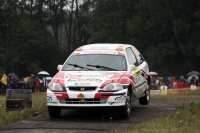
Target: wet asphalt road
<point>90,120</point>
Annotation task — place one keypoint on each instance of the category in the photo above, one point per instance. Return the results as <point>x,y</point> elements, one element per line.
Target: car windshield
<point>95,62</point>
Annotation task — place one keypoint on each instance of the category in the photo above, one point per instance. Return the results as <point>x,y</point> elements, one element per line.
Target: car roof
<point>103,46</point>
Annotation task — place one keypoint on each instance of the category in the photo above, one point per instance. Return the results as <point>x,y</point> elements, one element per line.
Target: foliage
<point>38,35</point>
<point>108,23</point>
<point>167,30</point>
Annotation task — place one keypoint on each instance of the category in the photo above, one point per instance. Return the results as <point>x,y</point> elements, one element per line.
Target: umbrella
<point>26,79</point>
<point>16,78</point>
<point>190,77</point>
<point>48,78</point>
<point>153,73</point>
<point>40,81</point>
<point>43,73</point>
<point>193,73</point>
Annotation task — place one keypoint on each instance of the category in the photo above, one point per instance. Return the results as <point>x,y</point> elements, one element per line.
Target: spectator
<point>9,83</point>
<point>160,81</point>
<point>37,85</point>
<point>174,82</point>
<point>2,89</point>
<point>170,82</point>
<point>152,83</point>
<point>181,82</point>
<point>193,83</point>
<point>31,82</point>
<point>167,82</point>
<point>163,86</point>
<point>4,84</point>
<point>157,83</point>
<point>13,82</point>
<point>44,84</point>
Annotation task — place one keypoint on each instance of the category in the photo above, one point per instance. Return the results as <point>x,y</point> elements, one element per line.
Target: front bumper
<point>86,98</point>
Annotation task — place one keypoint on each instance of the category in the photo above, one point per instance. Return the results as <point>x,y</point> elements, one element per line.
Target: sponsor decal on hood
<point>86,78</point>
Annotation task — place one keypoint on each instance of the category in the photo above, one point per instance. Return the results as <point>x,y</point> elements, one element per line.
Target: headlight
<point>113,87</point>
<point>55,86</point>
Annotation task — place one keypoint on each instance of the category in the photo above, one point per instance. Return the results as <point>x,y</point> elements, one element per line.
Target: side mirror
<point>134,70</point>
<point>59,67</point>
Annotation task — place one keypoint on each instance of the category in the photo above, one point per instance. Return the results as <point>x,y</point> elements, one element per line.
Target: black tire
<point>18,103</point>
<point>125,111</point>
<point>145,99</point>
<point>54,112</point>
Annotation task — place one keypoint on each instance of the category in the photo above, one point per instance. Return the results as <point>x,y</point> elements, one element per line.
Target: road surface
<point>90,120</point>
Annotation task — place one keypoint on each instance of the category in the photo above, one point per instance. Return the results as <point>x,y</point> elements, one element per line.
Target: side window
<point>141,60</point>
<point>131,57</point>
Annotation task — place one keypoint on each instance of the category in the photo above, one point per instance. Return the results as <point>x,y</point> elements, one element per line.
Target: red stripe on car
<point>61,94</point>
<point>60,75</point>
<point>59,78</point>
<point>99,94</point>
<point>80,49</point>
<point>115,78</point>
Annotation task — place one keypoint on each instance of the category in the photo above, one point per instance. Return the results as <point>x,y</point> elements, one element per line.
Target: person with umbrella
<point>9,83</point>
<point>152,82</point>
<point>44,84</point>
<point>193,83</point>
<point>37,84</point>
<point>13,83</point>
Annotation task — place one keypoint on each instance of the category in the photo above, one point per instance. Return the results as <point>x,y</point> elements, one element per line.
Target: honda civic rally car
<point>100,75</point>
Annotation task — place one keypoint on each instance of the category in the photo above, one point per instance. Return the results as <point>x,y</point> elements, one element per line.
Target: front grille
<point>83,101</point>
<point>82,88</point>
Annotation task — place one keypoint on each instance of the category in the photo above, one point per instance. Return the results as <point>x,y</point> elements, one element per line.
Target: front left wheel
<point>146,98</point>
<point>54,112</point>
<point>125,111</point>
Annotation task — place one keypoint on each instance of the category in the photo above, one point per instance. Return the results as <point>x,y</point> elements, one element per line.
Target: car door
<point>140,80</point>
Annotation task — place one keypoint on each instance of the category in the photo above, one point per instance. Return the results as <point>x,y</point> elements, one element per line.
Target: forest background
<point>37,35</point>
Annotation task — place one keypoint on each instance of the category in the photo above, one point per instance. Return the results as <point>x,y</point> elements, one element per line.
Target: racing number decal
<point>80,96</point>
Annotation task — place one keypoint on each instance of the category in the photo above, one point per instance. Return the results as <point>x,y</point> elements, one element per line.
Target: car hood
<point>87,78</point>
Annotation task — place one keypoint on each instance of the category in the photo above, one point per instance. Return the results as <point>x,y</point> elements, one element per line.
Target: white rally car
<point>100,75</point>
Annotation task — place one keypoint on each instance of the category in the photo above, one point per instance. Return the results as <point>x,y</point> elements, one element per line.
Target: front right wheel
<point>125,111</point>
<point>54,112</point>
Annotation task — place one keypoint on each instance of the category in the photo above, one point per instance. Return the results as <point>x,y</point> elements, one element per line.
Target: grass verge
<point>185,119</point>
<point>8,117</point>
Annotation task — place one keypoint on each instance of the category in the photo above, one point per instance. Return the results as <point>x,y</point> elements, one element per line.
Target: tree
<point>168,30</point>
<point>108,22</point>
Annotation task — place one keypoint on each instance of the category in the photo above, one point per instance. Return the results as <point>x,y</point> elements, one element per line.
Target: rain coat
<point>4,79</point>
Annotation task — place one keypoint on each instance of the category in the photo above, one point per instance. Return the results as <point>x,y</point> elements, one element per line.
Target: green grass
<point>8,117</point>
<point>186,119</point>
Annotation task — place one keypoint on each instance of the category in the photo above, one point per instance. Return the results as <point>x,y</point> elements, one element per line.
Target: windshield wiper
<point>75,65</point>
<point>99,66</point>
